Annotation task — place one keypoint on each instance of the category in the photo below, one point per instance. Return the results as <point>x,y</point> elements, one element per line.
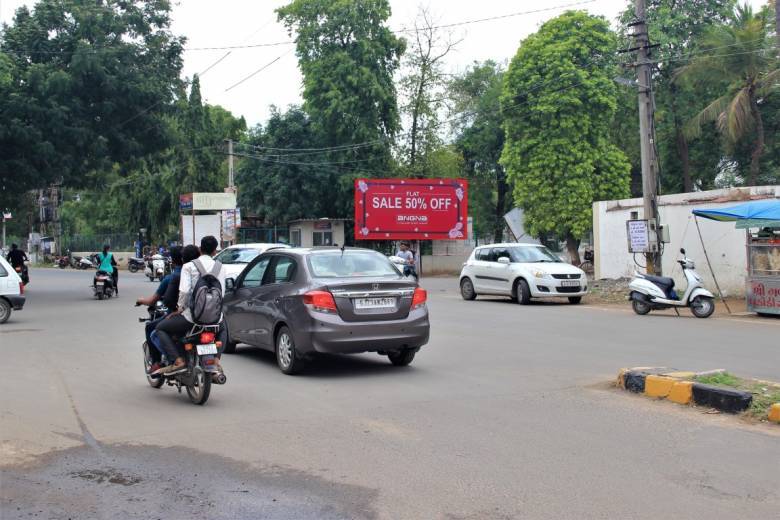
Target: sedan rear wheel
<point>286,356</point>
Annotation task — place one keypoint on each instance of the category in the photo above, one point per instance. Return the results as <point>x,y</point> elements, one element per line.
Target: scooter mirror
<point>682,250</point>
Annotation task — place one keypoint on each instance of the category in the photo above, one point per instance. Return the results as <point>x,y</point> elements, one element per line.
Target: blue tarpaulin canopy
<point>757,213</point>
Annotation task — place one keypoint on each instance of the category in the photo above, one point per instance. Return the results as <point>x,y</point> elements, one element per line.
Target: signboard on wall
<point>411,209</point>
<point>638,236</point>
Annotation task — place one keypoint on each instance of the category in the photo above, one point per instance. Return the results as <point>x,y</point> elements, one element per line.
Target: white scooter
<point>657,292</point>
<point>155,268</point>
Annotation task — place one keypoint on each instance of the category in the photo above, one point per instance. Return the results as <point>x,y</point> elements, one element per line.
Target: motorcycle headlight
<point>538,273</point>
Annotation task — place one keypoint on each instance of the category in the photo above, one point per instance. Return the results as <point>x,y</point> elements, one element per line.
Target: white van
<point>11,290</point>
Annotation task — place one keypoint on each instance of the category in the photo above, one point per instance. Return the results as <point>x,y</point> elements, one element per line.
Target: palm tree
<point>740,56</point>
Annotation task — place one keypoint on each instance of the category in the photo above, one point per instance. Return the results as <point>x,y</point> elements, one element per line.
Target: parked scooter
<point>657,292</point>
<point>103,285</point>
<point>200,348</point>
<point>134,264</point>
<point>155,268</point>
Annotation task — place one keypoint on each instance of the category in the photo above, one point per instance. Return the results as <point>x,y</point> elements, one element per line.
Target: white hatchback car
<point>235,258</point>
<point>522,272</point>
<point>11,290</point>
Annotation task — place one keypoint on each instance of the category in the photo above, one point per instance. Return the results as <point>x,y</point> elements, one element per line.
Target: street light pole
<point>649,159</point>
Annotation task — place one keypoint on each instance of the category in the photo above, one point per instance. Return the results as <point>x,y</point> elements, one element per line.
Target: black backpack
<point>206,299</point>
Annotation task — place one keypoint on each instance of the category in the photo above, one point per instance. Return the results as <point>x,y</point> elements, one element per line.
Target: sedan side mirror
<point>504,260</point>
<point>230,285</point>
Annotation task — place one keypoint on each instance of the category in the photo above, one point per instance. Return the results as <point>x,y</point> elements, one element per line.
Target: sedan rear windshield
<point>350,265</point>
<point>237,255</point>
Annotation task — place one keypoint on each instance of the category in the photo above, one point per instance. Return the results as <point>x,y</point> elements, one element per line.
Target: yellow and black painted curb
<point>664,383</point>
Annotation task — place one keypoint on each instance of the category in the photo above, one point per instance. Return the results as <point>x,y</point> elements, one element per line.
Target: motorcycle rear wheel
<point>154,382</point>
<point>200,388</point>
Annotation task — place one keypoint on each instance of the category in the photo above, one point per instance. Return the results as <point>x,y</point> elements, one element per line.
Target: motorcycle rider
<point>107,263</point>
<point>408,256</point>
<point>178,323</point>
<point>16,257</point>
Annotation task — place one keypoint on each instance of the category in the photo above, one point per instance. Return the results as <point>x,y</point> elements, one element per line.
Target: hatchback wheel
<point>467,289</point>
<point>402,358</point>
<point>522,292</point>
<point>286,356</point>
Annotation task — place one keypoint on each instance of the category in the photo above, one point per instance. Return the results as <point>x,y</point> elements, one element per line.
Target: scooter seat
<point>665,283</point>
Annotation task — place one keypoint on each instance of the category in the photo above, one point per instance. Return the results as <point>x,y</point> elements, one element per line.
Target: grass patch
<point>764,394</point>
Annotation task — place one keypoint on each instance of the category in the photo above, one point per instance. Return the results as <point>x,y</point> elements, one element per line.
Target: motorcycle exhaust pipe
<point>219,379</point>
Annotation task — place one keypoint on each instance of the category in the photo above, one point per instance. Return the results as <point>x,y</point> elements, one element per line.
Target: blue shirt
<point>165,281</point>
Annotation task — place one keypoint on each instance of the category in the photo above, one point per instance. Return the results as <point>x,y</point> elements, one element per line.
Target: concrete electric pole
<point>647,135</point>
<point>231,179</point>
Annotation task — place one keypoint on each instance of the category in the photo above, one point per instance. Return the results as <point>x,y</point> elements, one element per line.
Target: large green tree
<point>348,57</point>
<point>558,102</point>
<point>479,135</point>
<point>749,73</point>
<point>84,85</point>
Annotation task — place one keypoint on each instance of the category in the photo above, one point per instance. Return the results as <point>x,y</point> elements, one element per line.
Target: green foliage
<point>480,138</point>
<point>348,57</point>
<point>558,104</point>
<point>78,83</point>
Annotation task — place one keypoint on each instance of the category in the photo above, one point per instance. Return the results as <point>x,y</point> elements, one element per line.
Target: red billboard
<point>411,209</point>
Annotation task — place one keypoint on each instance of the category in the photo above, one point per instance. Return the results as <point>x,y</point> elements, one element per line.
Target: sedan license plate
<point>207,349</point>
<point>570,283</point>
<point>374,303</point>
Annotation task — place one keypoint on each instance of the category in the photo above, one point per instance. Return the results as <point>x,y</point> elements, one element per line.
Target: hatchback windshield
<point>350,265</point>
<point>237,255</point>
<point>532,254</point>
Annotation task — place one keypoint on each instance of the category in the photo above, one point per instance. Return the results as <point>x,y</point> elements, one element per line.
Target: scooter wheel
<point>702,307</point>
<point>640,307</point>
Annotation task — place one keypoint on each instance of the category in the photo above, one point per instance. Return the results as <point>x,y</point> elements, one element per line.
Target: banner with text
<point>411,209</point>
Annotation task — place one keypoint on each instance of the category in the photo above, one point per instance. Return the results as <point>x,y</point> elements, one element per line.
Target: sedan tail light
<point>419,298</point>
<point>321,301</point>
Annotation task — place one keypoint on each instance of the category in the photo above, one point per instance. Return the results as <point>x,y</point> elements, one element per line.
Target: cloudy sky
<point>220,23</point>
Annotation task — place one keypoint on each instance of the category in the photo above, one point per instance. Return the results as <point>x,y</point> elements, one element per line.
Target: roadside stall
<point>761,221</point>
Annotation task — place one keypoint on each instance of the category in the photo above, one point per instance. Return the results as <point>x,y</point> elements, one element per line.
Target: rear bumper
<point>16,300</point>
<point>328,333</point>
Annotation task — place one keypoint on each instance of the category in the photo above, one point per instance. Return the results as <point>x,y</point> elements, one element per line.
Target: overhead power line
<point>258,71</point>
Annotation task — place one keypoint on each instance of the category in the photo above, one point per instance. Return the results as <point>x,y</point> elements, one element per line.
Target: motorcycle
<point>134,264</point>
<point>657,292</point>
<point>155,268</point>
<point>408,270</point>
<point>103,285</point>
<point>200,353</point>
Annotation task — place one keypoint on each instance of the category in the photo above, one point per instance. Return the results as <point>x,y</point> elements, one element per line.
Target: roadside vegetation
<point>765,393</point>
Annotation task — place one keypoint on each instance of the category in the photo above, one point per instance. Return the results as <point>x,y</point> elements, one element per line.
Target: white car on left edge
<point>236,257</point>
<point>11,290</point>
<point>522,272</point>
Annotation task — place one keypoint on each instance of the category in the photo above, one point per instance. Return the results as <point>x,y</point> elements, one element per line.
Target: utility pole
<point>231,179</point>
<point>647,133</point>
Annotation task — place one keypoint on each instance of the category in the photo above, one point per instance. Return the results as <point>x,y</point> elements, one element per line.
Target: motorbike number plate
<point>99,283</point>
<point>570,283</point>
<point>208,349</point>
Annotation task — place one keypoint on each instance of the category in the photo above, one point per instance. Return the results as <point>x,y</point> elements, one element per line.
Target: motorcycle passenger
<point>107,263</point>
<point>179,323</point>
<point>408,256</point>
<point>163,293</point>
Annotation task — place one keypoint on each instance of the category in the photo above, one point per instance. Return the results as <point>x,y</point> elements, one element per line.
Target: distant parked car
<point>299,302</point>
<point>235,258</point>
<point>522,272</point>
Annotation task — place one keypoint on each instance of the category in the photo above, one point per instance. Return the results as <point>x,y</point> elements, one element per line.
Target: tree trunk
<point>501,189</point>
<point>683,154</point>
<point>758,148</point>
<point>573,247</point>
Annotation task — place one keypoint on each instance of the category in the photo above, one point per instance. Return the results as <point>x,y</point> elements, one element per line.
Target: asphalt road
<point>505,414</point>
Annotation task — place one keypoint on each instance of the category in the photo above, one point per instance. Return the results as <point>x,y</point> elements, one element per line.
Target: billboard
<point>207,201</point>
<point>411,209</point>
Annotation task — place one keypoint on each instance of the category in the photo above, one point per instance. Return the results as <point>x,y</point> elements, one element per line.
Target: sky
<point>219,23</point>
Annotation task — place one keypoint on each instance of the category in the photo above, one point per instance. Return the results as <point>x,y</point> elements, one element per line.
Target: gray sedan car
<point>299,302</point>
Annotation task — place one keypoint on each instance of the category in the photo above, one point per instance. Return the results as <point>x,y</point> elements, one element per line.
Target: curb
<point>664,383</point>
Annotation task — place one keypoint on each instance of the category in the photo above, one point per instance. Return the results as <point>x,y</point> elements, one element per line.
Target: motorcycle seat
<point>665,283</point>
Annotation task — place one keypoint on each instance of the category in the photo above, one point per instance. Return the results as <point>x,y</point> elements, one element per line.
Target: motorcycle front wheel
<point>200,388</point>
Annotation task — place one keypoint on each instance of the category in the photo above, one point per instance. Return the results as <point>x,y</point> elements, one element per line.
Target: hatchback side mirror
<point>504,260</point>
<point>230,285</point>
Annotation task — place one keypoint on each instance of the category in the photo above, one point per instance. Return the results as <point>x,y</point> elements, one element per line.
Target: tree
<point>88,83</point>
<point>675,26</point>
<point>480,138</point>
<point>558,102</point>
<point>423,90</point>
<point>348,57</point>
<point>749,73</point>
